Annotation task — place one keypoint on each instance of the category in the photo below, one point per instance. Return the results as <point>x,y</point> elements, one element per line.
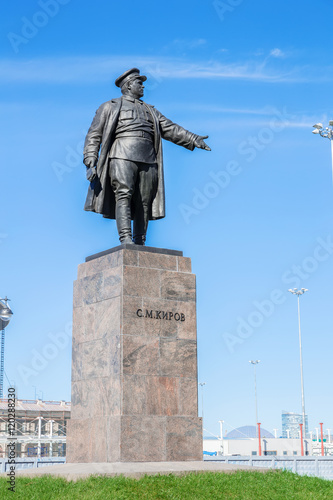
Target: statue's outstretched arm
<point>175,133</point>
<point>200,143</point>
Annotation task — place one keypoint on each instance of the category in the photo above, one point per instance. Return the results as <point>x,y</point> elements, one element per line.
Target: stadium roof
<point>248,432</point>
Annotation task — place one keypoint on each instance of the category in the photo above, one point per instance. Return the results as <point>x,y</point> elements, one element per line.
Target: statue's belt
<point>136,133</point>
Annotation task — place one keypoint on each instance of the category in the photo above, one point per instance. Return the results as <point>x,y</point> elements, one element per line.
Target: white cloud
<point>258,117</point>
<point>87,70</point>
<point>186,44</point>
<point>277,53</point>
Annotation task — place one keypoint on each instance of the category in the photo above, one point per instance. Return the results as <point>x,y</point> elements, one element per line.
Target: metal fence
<point>309,466</point>
<point>30,463</point>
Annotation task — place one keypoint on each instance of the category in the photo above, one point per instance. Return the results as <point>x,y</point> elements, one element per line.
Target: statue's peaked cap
<point>130,74</point>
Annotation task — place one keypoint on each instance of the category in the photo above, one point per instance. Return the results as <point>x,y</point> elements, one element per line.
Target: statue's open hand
<point>200,143</point>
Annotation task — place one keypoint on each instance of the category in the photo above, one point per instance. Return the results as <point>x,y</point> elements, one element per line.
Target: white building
<point>243,441</point>
<point>250,446</point>
<point>40,428</point>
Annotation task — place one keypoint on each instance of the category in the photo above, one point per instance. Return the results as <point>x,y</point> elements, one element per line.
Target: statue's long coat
<point>100,197</point>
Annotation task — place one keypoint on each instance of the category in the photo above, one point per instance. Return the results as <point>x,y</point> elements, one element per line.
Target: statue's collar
<point>130,98</point>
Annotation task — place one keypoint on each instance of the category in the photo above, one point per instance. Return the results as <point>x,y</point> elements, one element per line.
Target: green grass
<point>279,485</point>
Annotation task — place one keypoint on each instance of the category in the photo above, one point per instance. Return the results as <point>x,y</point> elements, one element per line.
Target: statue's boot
<point>123,218</point>
<point>140,224</point>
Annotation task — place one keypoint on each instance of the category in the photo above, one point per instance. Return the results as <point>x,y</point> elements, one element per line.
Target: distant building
<point>269,447</point>
<point>40,427</point>
<point>243,442</point>
<point>290,425</point>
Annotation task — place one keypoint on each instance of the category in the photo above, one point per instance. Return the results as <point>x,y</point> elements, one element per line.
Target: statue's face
<point>136,88</point>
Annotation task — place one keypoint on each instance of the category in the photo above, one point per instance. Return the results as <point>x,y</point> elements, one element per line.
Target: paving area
<point>131,469</point>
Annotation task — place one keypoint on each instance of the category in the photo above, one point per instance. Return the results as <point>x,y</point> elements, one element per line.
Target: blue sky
<point>254,214</point>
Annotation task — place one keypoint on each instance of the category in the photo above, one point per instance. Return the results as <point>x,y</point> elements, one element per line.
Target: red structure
<point>259,439</point>
<point>302,447</point>
<point>322,439</point>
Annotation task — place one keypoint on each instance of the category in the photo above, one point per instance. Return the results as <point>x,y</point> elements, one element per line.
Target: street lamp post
<point>202,400</point>
<point>5,316</point>
<point>254,363</point>
<point>298,293</point>
<point>326,132</point>
<point>322,439</point>
<point>221,434</point>
<point>317,432</point>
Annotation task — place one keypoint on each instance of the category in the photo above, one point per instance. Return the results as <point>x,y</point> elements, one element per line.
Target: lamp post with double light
<point>202,384</point>
<point>298,293</point>
<point>254,363</point>
<point>5,316</point>
<point>221,422</point>
<point>327,133</point>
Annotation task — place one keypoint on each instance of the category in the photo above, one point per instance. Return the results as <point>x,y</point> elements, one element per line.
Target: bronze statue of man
<point>123,156</point>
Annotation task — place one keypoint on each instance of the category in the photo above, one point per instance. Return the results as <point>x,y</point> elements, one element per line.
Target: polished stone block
<point>183,438</point>
<point>140,355</point>
<point>134,363</point>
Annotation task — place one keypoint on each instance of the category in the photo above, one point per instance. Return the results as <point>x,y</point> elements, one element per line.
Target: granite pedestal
<point>134,368</point>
